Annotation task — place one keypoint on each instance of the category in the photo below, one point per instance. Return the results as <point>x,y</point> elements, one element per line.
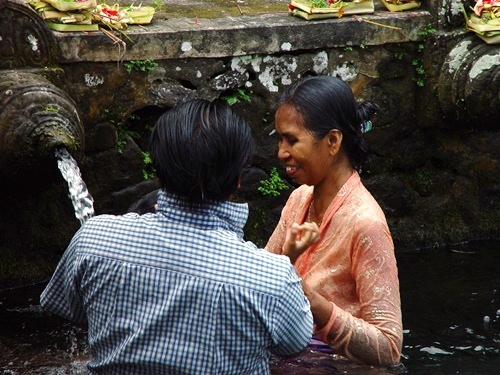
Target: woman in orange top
<point>350,275</point>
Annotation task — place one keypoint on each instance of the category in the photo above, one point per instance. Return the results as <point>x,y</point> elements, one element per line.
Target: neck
<point>324,193</point>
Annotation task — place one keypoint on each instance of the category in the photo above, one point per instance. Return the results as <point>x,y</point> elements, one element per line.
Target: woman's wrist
<point>321,308</point>
<point>322,330</point>
<point>290,254</point>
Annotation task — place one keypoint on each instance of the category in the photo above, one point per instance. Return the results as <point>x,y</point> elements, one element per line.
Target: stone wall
<point>434,167</point>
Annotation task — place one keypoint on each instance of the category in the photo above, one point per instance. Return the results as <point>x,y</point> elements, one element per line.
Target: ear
<point>334,138</point>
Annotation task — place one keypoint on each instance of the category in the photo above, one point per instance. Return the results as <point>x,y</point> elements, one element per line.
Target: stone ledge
<point>181,38</point>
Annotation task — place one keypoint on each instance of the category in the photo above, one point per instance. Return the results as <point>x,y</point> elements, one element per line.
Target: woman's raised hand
<point>298,238</point>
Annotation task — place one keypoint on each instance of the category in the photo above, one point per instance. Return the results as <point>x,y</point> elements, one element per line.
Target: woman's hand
<point>299,238</point>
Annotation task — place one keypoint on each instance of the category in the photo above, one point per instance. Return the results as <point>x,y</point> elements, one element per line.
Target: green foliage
<point>417,63</point>
<point>237,96</point>
<point>427,31</point>
<point>51,108</point>
<point>265,118</point>
<point>351,48</point>
<point>149,128</point>
<point>158,3</point>
<point>122,135</point>
<point>319,4</point>
<point>399,55</point>
<point>148,172</point>
<point>273,185</point>
<point>140,65</point>
<point>423,177</point>
<point>420,72</point>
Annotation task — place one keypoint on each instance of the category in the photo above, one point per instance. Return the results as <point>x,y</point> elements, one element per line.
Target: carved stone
<point>25,39</point>
<point>35,118</point>
<point>469,83</point>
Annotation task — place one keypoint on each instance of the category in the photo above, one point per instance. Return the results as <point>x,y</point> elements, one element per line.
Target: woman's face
<point>305,157</point>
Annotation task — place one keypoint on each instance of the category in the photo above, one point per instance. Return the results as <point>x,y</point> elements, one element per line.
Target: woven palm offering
<point>400,5</point>
<point>319,9</point>
<point>87,15</point>
<point>485,20</point>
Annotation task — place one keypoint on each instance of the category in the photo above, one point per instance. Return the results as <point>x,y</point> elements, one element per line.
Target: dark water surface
<point>451,317</point>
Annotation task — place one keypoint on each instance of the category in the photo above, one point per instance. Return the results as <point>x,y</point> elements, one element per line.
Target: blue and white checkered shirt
<point>179,292</point>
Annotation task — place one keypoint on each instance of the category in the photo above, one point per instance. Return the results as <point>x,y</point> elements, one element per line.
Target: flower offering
<point>485,20</point>
<point>400,5</point>
<point>318,9</point>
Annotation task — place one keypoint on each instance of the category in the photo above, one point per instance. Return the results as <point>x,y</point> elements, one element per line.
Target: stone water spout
<point>36,118</point>
<point>469,83</point>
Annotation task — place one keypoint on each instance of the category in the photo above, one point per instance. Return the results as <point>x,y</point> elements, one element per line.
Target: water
<point>83,202</point>
<point>446,294</point>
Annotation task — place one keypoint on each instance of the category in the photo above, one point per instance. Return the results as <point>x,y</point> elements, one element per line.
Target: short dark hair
<point>327,103</point>
<point>145,204</point>
<point>199,149</point>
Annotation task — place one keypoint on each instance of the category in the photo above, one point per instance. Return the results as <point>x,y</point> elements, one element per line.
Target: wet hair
<point>145,204</point>
<point>327,103</point>
<point>199,149</point>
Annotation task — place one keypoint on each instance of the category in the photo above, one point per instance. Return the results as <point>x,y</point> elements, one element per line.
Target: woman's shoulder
<point>302,192</point>
<point>362,202</point>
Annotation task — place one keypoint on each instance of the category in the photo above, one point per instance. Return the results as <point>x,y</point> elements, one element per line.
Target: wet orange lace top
<point>354,267</point>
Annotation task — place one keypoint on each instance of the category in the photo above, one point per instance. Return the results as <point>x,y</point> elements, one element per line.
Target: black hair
<point>199,149</point>
<point>327,103</point>
<point>145,204</point>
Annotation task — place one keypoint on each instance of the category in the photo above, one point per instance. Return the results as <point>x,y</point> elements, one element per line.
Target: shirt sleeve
<point>293,319</point>
<point>376,336</point>
<point>61,295</point>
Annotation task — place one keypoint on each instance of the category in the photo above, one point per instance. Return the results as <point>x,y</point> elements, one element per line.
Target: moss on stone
<point>218,8</point>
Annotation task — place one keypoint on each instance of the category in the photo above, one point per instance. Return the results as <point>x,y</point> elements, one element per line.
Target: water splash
<point>83,202</point>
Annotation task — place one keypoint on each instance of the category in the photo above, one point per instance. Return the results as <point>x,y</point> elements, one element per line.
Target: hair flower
<point>366,126</point>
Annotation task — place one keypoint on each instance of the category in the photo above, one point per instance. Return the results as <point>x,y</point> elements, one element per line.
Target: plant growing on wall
<point>419,71</point>
<point>123,133</point>
<point>418,63</point>
<point>51,108</point>
<point>237,96</point>
<point>140,65</point>
<point>148,172</point>
<point>273,185</point>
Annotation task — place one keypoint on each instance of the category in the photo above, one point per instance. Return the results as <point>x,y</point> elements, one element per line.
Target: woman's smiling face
<point>305,157</point>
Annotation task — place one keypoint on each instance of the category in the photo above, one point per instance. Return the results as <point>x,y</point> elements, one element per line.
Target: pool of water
<point>451,316</point>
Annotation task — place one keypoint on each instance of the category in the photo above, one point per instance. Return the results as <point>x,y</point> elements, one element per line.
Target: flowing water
<point>83,203</point>
<point>450,298</point>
